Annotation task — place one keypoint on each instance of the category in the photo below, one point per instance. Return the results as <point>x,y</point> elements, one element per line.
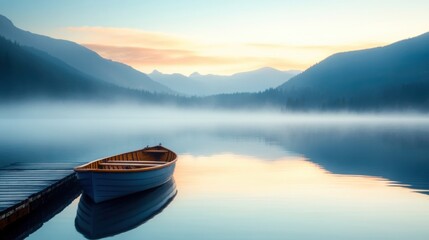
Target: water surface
<point>244,179</point>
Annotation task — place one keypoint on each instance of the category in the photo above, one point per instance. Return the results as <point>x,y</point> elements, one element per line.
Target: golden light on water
<point>287,178</point>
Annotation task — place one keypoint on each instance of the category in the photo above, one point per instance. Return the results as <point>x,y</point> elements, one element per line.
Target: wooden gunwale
<point>157,151</point>
<point>122,157</point>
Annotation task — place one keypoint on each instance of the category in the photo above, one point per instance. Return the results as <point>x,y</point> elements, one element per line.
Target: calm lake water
<point>246,178</point>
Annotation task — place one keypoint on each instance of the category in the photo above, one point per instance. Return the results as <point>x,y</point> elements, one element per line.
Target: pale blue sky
<point>324,26</point>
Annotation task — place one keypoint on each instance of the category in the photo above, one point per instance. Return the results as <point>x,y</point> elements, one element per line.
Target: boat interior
<point>144,158</point>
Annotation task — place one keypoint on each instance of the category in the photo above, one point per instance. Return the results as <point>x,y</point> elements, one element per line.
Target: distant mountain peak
<point>155,72</point>
<point>267,69</point>
<point>195,74</point>
<point>5,22</point>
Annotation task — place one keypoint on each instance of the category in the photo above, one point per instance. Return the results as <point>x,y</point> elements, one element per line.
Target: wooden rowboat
<point>126,173</point>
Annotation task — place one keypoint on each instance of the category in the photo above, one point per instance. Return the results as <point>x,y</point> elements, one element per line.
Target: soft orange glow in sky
<point>223,36</point>
<point>170,53</point>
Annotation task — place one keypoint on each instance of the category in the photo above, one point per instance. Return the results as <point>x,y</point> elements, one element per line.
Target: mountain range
<point>92,64</point>
<point>384,78</point>
<point>396,75</point>
<point>82,59</point>
<point>204,85</point>
<point>28,73</point>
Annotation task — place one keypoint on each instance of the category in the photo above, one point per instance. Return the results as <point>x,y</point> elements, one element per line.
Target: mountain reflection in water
<point>253,180</point>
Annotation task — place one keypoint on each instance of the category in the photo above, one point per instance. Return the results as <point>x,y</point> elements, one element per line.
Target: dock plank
<point>41,166</point>
<point>22,183</point>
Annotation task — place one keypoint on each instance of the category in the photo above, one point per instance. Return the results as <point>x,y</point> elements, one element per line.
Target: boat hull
<point>102,186</point>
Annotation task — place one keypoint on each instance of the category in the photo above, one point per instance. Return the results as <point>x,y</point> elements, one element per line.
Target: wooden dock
<point>26,187</point>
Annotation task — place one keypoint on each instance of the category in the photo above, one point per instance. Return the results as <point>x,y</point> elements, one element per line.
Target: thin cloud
<point>145,56</point>
<point>128,37</point>
<point>146,51</point>
<point>326,48</point>
<point>177,60</point>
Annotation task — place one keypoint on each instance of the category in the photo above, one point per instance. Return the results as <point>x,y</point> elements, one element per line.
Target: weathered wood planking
<point>24,187</point>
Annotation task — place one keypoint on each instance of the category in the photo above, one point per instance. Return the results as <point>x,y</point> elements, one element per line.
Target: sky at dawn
<point>221,37</point>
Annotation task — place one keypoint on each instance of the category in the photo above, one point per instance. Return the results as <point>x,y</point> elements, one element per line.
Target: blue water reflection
<point>99,220</point>
<point>271,180</point>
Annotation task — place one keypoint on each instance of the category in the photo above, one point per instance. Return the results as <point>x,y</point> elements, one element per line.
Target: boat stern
<point>87,183</point>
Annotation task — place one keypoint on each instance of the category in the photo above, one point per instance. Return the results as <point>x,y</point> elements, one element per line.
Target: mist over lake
<point>214,120</point>
<point>272,168</point>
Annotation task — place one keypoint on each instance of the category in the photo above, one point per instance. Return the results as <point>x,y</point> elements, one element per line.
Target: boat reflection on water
<point>98,220</point>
